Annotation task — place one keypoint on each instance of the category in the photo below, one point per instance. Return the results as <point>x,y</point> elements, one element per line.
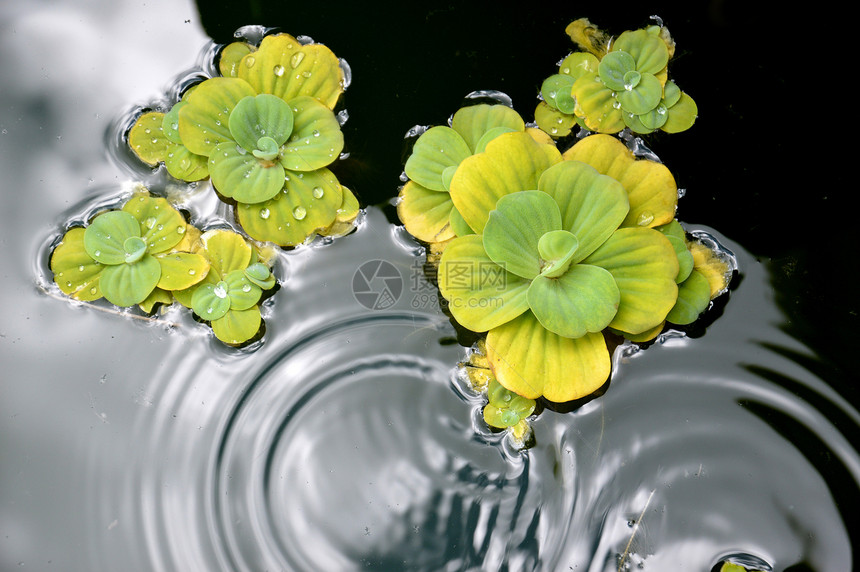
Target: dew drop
<point>250,61</point>
<point>191,272</point>
<point>147,130</point>
<point>93,290</point>
<point>318,192</point>
<point>185,163</point>
<point>306,74</point>
<point>299,213</point>
<point>81,268</point>
<point>209,311</point>
<point>246,288</point>
<point>68,284</point>
<point>160,227</point>
<point>297,59</point>
<point>645,218</point>
<point>220,290</point>
<point>98,252</point>
<point>264,213</point>
<point>278,70</point>
<point>150,222</point>
<point>315,133</point>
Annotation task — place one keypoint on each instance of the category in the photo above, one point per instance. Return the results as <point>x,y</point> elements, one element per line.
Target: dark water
<point>345,439</point>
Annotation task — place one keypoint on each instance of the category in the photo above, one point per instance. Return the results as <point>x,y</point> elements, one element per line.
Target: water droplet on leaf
<point>299,213</point>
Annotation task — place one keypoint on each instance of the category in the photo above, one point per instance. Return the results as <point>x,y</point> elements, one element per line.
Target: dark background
<point>769,162</point>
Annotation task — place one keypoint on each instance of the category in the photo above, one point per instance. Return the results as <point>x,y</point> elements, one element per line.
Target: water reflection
<point>343,440</point>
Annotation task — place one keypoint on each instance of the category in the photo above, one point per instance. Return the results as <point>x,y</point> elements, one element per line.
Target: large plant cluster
<point>554,256</point>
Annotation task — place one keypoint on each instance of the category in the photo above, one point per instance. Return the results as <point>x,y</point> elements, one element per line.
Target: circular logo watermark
<point>377,285</point>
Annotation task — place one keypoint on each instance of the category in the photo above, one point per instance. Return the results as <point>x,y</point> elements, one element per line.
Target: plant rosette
<point>561,252</point>
<point>133,256</point>
<point>615,83</point>
<point>266,133</point>
<point>424,205</point>
<point>228,297</point>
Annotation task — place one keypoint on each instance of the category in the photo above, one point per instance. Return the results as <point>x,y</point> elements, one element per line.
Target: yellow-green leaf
<point>481,294</point>
<point>147,139</point>
<point>308,203</point>
<point>474,121</point>
<point>650,186</point>
<point>226,251</point>
<point>284,67</point>
<point>644,266</point>
<point>75,272</point>
<point>181,270</point>
<point>512,162</point>
<point>425,213</point>
<point>204,120</point>
<point>532,362</point>
<point>237,326</point>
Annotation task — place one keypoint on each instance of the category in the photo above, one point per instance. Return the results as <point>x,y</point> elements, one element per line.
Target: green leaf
<point>75,271</point>
<point>481,295</point>
<point>505,408</point>
<point>226,251</point>
<point>237,326</point>
<point>648,51</point>
<point>425,213</point>
<point>671,94</point>
<point>532,362</point>
<point>308,203</point>
<point>161,225</point>
<point>481,146</point>
<point>556,249</point>
<point>474,122</point>
<point>242,176</point>
<point>282,66</point>
<point>459,224</point>
<point>316,140</point>
<point>694,295</point>
<point>515,227</point>
<point>645,96</point>
<point>147,139</point>
<point>512,162</point>
<point>181,270</point>
<point>582,300</point>
<point>614,67</point>
<point>682,115</point>
<point>157,296</point>
<point>129,284</point>
<point>676,235</point>
<point>654,119</point>
<point>592,205</point>
<point>260,274</point>
<point>556,91</point>
<point>261,117</point>
<point>185,165</point>
<point>436,150</point>
<point>211,301</point>
<point>204,121</point>
<point>644,266</point>
<point>104,238</point>
<point>597,105</point>
<point>242,292</point>
<point>578,64</point>
<point>170,123</point>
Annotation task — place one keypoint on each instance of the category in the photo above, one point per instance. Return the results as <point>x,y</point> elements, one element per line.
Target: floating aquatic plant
<point>145,253</point>
<point>265,133</point>
<point>615,83</point>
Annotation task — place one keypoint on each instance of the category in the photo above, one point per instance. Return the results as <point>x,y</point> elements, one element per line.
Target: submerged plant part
<point>615,83</point>
<point>424,204</point>
<point>265,133</point>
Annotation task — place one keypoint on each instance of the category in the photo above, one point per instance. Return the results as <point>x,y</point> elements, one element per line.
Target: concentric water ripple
<point>344,440</point>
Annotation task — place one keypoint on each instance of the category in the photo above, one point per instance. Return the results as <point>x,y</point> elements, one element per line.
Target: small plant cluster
<point>556,256</point>
<point>145,253</point>
<point>615,83</point>
<point>264,132</point>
